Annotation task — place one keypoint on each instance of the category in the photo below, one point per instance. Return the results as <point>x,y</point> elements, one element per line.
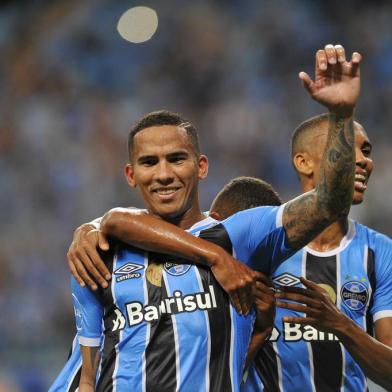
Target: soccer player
<point>239,194</point>
<point>165,338</point>
<point>320,343</point>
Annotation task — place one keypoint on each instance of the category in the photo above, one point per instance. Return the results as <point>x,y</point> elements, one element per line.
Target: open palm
<point>337,81</point>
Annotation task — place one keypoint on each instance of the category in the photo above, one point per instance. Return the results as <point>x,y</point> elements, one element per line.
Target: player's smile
<point>364,163</point>
<point>166,194</point>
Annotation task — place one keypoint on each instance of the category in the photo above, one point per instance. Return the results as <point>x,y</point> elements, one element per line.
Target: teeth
<point>360,177</point>
<point>165,191</point>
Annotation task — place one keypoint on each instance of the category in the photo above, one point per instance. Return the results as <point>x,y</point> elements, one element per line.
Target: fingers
<point>321,60</point>
<point>340,53</point>
<point>330,54</point>
<point>74,272</point>
<point>103,243</point>
<point>299,320</point>
<point>236,301</point>
<point>303,299</point>
<point>307,82</point>
<point>355,60</point>
<point>310,284</point>
<point>298,308</point>
<point>244,293</point>
<point>80,274</point>
<point>260,277</point>
<point>96,258</point>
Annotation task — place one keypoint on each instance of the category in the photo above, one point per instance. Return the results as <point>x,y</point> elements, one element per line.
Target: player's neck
<point>188,218</point>
<point>331,237</point>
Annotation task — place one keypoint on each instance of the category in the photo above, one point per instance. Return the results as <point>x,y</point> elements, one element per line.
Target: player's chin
<point>358,197</point>
<point>167,210</point>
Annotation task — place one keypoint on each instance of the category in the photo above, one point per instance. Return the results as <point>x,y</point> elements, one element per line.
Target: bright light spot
<point>138,24</point>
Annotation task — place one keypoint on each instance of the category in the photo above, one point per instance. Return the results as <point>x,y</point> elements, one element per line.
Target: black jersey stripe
<point>219,319</point>
<point>327,373</point>
<point>160,353</point>
<point>370,266</point>
<point>109,354</point>
<point>266,364</point>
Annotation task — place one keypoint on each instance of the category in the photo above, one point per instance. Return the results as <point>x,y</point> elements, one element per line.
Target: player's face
<point>166,169</point>
<point>363,163</point>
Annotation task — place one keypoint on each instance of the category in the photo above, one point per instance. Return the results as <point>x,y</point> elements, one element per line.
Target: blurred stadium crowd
<point>71,88</point>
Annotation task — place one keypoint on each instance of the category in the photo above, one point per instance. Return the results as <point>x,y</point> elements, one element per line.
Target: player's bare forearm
<point>309,214</point>
<point>374,357</point>
<point>336,86</point>
<point>257,341</point>
<point>153,234</point>
<point>90,361</point>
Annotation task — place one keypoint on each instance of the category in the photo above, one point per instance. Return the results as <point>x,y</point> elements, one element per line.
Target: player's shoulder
<point>374,238</point>
<point>254,213</point>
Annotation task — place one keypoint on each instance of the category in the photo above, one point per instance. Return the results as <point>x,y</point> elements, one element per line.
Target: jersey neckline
<point>343,243</point>
<point>203,222</point>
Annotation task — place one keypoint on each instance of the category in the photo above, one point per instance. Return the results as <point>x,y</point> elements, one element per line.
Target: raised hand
<point>315,302</point>
<point>84,261</point>
<point>337,81</point>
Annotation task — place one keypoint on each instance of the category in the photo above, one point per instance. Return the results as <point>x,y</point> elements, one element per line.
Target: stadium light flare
<point>138,24</point>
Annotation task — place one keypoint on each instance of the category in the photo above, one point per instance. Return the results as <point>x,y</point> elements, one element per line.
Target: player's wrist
<point>342,112</point>
<point>215,256</point>
<point>345,327</point>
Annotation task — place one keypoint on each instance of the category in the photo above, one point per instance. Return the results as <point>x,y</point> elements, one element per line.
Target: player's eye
<point>148,161</point>
<point>177,158</point>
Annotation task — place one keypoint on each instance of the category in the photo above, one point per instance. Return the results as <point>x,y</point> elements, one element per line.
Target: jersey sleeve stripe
<point>89,342</point>
<point>382,314</point>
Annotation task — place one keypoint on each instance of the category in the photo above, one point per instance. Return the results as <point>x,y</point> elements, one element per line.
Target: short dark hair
<point>163,117</point>
<point>243,193</point>
<point>298,138</point>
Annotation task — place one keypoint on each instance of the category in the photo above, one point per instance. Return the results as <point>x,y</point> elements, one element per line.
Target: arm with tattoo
<point>336,86</point>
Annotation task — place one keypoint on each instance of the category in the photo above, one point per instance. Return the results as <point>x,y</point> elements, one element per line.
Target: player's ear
<point>129,175</point>
<point>303,163</point>
<point>203,167</point>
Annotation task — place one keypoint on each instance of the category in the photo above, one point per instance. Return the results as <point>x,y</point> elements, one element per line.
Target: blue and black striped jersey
<point>358,277</point>
<point>169,326</point>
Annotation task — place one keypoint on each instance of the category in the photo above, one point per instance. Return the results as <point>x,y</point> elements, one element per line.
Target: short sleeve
<point>88,315</point>
<point>382,296</point>
<point>258,237</point>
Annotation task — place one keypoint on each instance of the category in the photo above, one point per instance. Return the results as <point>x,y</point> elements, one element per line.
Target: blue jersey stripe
<point>189,349</point>
<point>131,347</point>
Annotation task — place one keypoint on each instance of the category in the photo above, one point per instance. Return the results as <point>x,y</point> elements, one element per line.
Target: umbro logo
<point>128,271</point>
<point>286,279</point>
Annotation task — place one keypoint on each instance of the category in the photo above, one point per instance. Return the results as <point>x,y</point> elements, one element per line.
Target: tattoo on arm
<point>307,215</point>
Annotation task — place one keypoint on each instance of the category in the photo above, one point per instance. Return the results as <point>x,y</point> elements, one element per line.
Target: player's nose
<point>164,173</point>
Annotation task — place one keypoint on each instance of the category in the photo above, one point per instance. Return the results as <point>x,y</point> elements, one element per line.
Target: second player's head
<point>243,193</point>
<point>165,164</point>
<point>307,149</point>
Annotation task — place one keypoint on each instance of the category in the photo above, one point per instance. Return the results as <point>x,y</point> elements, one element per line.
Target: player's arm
<point>336,86</point>
<point>264,323</point>
<point>153,234</point>
<point>144,231</point>
<point>90,361</point>
<point>374,355</point>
